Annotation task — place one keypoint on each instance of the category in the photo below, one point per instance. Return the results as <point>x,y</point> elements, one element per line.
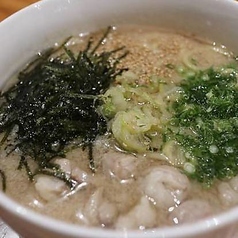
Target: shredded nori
<point>3,177</point>
<point>55,102</point>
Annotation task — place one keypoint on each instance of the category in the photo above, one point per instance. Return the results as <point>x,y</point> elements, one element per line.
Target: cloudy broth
<point>130,188</point>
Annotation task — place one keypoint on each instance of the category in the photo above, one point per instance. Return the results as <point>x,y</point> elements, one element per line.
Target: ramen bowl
<point>40,25</point>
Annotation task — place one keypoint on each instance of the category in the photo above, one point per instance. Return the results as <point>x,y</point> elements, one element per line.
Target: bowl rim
<point>24,213</point>
<point>61,227</point>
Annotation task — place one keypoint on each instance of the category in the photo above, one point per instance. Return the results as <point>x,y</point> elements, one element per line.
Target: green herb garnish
<point>55,102</point>
<point>206,118</point>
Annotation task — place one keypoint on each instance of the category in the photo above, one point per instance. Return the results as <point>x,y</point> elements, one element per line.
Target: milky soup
<point>130,127</point>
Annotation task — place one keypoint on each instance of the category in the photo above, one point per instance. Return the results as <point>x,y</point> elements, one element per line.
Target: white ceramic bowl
<point>42,24</point>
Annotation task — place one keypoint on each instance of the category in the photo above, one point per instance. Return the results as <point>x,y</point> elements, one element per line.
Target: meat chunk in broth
<point>98,210</point>
<point>228,191</point>
<point>190,211</point>
<point>50,189</point>
<point>118,165</point>
<point>141,216</point>
<point>165,186</point>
